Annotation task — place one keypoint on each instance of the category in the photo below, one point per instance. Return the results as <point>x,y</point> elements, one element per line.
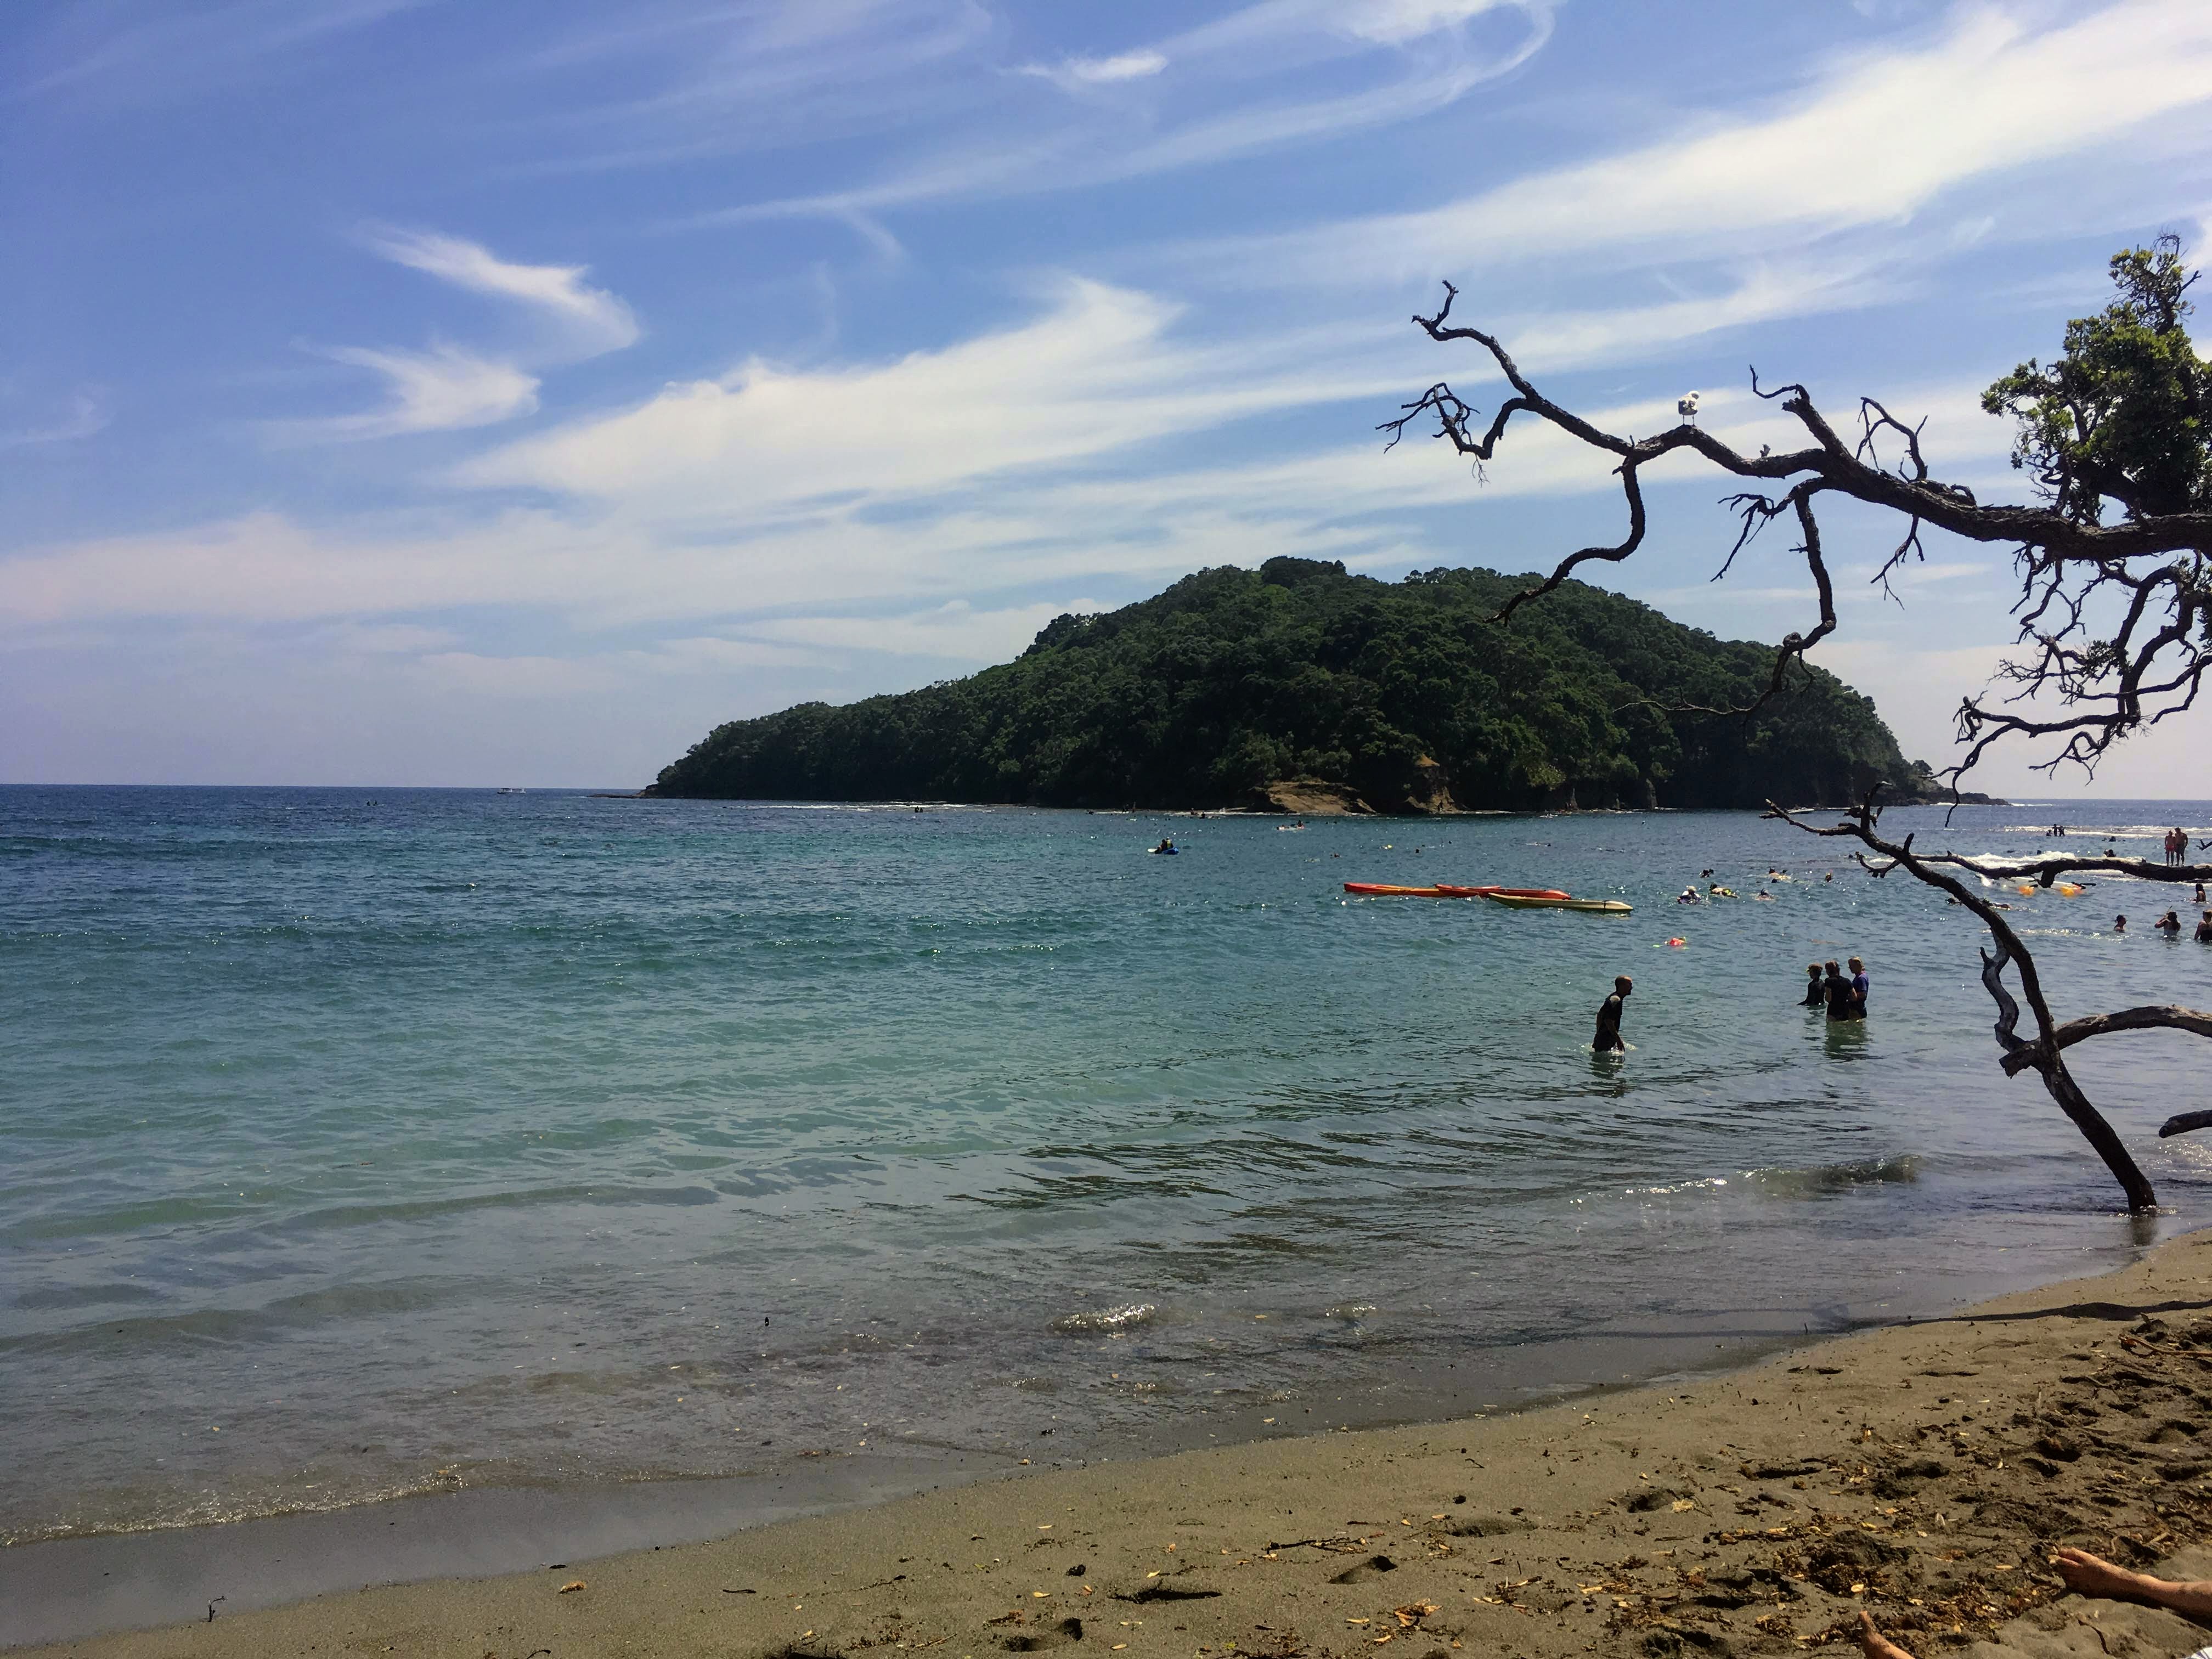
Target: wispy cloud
<point>1230,110</point>
<point>449,387</point>
<point>595,319</point>
<point>86,416</point>
<point>955,631</point>
<point>1873,140</point>
<point>1100,71</point>
<point>1099,371</point>
<point>441,390</point>
<point>974,468</point>
<point>183,51</point>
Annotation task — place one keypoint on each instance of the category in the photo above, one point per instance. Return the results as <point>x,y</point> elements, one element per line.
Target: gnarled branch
<point>2160,650</point>
<point>2044,1052</point>
<point>2162,1017</point>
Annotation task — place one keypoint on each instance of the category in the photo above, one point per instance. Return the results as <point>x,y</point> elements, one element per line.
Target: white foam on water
<point>1105,1319</point>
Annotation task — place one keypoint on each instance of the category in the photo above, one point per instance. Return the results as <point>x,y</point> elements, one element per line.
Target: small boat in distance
<point>514,791</point>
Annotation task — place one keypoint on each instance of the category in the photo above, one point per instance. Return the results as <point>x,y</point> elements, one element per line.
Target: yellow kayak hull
<point>1592,907</point>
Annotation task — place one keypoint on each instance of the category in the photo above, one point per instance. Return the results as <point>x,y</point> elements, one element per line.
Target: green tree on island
<point>2115,618</point>
<point>1298,683</point>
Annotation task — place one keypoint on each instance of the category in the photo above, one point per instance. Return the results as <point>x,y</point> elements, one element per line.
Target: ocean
<point>363,1143</point>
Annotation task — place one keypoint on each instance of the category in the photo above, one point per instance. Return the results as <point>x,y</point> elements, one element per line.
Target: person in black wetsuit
<point>1814,996</point>
<point>1607,1040</point>
<point>1837,990</point>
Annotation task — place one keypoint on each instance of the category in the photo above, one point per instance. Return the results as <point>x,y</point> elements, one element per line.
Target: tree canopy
<point>1406,694</point>
<point>2125,415</point>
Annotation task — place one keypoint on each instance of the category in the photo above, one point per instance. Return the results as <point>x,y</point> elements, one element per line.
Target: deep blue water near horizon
<point>359,1143</point>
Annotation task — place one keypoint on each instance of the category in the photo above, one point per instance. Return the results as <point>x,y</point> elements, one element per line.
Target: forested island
<point>1297,686</point>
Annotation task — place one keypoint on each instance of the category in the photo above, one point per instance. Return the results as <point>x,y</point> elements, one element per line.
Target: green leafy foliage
<point>2126,416</point>
<point>1405,693</point>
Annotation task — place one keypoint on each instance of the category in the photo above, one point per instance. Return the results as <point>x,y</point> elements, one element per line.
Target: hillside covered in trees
<point>1298,685</point>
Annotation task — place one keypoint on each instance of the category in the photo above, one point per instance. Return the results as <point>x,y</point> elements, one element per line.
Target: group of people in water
<point>2171,924</point>
<point>1825,986</point>
<point>1690,894</point>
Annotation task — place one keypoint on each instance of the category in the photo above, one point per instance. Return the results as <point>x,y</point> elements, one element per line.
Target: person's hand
<point>2092,1575</point>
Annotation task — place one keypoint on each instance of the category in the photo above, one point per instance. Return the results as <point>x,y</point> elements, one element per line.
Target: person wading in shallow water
<point>1607,1040</point>
<point>1814,996</point>
<point>1837,991</point>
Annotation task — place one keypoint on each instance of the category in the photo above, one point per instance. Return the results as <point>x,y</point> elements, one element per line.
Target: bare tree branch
<point>2042,1054</point>
<point>2152,665</point>
<point>2163,1017</point>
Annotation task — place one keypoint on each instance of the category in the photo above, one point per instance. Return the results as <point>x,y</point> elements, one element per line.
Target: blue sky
<point>424,391</point>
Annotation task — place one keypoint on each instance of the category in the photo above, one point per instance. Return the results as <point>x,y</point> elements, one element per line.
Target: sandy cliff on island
<point>1922,1472</point>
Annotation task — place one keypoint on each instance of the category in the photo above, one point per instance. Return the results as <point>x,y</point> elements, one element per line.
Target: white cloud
<point>439,390</point>
<point>594,319</point>
<point>1100,71</point>
<point>954,630</point>
<point>1272,39</point>
<point>1097,373</point>
<point>1880,136</point>
<point>449,388</point>
<point>776,489</point>
<point>86,417</point>
<point>1272,31</point>
<point>1396,22</point>
<point>181,51</point>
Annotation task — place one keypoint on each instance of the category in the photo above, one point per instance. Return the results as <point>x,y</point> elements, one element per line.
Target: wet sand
<point>1922,1472</point>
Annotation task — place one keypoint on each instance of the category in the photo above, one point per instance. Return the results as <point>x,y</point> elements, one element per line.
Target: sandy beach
<point>1922,1472</point>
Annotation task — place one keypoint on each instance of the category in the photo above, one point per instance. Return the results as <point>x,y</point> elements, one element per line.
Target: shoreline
<point>1921,1464</point>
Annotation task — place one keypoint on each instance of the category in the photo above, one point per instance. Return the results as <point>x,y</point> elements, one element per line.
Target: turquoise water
<point>366,1142</point>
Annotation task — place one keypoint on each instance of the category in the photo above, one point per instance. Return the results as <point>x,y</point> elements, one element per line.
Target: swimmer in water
<point>1607,1040</point>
